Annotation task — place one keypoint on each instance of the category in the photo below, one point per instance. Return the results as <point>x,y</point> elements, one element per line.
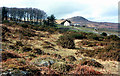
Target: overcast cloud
<point>94,10</point>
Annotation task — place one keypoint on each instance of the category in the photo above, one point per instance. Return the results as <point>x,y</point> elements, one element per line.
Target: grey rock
<point>15,73</point>
<point>80,58</point>
<point>44,62</point>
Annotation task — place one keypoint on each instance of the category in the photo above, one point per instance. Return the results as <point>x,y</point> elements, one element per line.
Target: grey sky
<point>94,10</point>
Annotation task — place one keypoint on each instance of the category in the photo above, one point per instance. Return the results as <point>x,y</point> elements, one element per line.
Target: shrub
<point>104,34</point>
<point>28,32</point>
<point>66,42</point>
<point>46,28</point>
<point>6,55</point>
<point>5,29</point>
<point>91,36</point>
<point>36,27</point>
<point>86,70</point>
<point>38,51</point>
<point>47,46</point>
<point>52,30</point>
<point>77,36</point>
<point>12,47</point>
<point>41,35</point>
<point>107,53</point>
<point>70,58</point>
<point>26,49</point>
<point>56,56</point>
<point>5,21</point>
<point>19,43</point>
<point>95,37</point>
<point>62,30</point>
<point>61,67</point>
<point>113,37</point>
<point>32,55</point>
<point>92,63</point>
<point>48,43</point>
<point>24,25</point>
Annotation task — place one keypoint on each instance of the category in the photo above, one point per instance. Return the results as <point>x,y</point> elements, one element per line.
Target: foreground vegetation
<point>34,50</point>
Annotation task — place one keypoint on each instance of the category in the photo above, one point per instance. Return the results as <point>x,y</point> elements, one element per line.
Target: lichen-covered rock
<point>43,62</point>
<point>46,63</point>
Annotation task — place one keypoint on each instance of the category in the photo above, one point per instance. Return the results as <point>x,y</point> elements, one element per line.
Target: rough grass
<point>85,70</point>
<point>47,38</point>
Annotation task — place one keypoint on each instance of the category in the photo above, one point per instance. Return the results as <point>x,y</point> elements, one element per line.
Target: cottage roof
<point>65,21</point>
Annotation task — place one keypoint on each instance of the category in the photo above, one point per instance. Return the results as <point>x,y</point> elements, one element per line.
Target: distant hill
<point>78,19</point>
<point>84,22</point>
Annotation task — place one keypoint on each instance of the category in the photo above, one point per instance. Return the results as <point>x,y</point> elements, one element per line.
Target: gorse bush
<point>76,35</point>
<point>26,49</point>
<point>109,52</point>
<point>24,25</point>
<point>5,21</point>
<point>28,32</point>
<point>66,42</point>
<point>113,37</point>
<point>70,58</point>
<point>49,29</point>
<point>85,70</point>
<point>19,43</point>
<point>95,37</point>
<point>62,30</point>
<point>92,63</point>
<point>6,55</point>
<point>104,34</point>
<point>61,67</point>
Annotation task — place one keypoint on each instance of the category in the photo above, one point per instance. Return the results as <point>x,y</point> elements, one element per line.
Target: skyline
<point>94,10</point>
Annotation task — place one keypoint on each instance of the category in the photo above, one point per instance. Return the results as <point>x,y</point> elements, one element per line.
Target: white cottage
<point>66,23</point>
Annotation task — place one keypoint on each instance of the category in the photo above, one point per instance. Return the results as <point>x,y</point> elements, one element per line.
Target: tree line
<point>23,14</point>
<point>27,15</point>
